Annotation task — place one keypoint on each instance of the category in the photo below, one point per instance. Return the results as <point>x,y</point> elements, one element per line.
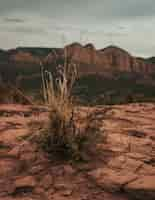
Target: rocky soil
<point>123,169</point>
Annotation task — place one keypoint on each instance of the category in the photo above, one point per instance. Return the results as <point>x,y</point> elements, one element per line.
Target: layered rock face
<point>89,59</point>
<point>110,58</point>
<point>22,67</point>
<point>24,57</point>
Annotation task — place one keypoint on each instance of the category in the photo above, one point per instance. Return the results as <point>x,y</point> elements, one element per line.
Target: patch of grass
<point>61,134</point>
<point>62,137</point>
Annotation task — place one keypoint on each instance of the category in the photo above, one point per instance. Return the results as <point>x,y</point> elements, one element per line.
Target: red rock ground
<point>124,169</point>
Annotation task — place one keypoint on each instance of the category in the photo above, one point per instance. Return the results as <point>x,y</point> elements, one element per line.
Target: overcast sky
<point>129,24</point>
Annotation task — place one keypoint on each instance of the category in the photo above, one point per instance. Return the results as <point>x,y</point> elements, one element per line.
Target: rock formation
<point>90,59</point>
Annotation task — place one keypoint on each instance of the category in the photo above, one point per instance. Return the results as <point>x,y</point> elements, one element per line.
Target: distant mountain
<point>111,58</point>
<point>90,60</point>
<point>111,69</point>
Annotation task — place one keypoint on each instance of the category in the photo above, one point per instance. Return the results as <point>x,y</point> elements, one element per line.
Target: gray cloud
<point>13,20</point>
<point>27,30</point>
<point>125,22</point>
<point>105,9</point>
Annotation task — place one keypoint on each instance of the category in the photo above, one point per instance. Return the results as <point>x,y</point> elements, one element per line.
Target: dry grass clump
<point>63,137</point>
<point>61,133</point>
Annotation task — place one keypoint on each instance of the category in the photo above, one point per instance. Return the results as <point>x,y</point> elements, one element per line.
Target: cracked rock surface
<point>123,170</point>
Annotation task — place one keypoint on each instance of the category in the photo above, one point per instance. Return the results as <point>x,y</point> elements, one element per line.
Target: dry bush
<point>61,133</point>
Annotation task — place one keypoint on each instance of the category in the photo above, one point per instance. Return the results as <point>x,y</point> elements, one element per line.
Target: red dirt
<point>123,170</point>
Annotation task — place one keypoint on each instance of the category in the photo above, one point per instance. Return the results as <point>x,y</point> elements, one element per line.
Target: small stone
<point>124,162</point>
<point>67,192</point>
<point>60,186</point>
<point>111,180</point>
<point>148,170</point>
<point>58,196</point>
<point>28,157</point>
<point>27,181</point>
<point>36,169</point>
<point>68,169</point>
<point>142,188</point>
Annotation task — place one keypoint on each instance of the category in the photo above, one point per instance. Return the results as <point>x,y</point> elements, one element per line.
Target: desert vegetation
<point>61,134</point>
